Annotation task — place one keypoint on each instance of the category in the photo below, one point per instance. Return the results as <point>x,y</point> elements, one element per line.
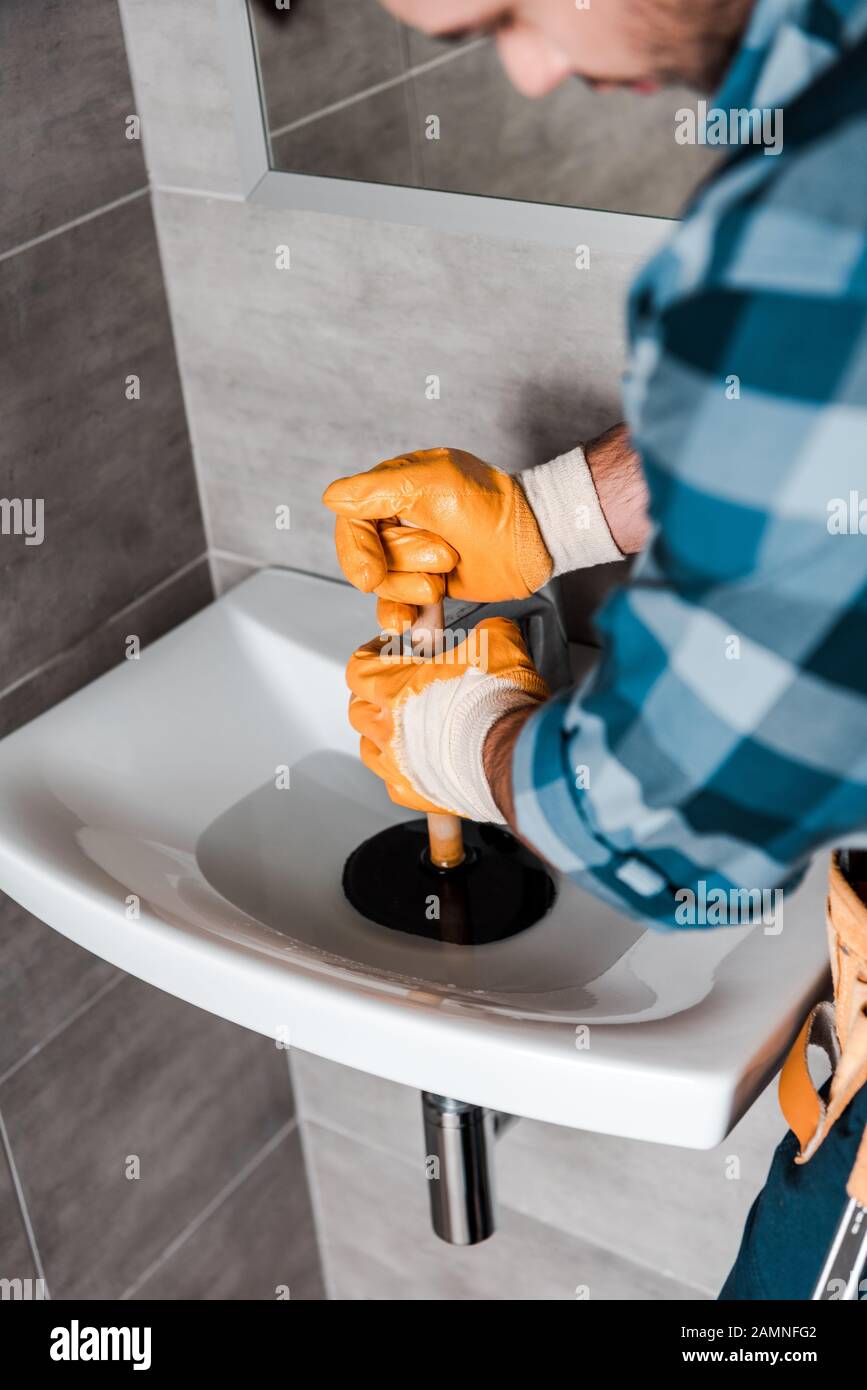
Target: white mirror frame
<point>468,213</point>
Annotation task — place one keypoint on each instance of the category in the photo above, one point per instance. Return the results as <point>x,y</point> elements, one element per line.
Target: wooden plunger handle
<point>445,832</point>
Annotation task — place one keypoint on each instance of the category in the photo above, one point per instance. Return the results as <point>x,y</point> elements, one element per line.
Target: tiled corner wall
<point>293,377</point>
<point>97,1068</point>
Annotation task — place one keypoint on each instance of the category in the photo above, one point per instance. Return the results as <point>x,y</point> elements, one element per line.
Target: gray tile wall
<point>377,1242</point>
<point>349,91</point>
<point>629,1220</point>
<point>292,378</point>
<point>95,1067</point>
<point>290,383</point>
<point>18,1262</point>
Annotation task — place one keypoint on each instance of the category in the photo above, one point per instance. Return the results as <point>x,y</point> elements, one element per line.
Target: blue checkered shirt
<point>722,739</point>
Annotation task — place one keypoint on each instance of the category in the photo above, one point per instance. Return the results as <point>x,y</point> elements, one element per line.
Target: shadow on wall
<point>541,421</point>
<point>268,10</point>
<point>549,417</point>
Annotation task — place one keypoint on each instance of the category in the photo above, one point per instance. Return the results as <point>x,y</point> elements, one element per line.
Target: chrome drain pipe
<point>459,1165</point>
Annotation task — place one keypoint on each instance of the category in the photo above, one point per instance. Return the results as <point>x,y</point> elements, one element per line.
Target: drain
<point>500,889</point>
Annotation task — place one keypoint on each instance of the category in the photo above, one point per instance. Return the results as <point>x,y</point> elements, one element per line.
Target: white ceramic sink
<point>159,781</point>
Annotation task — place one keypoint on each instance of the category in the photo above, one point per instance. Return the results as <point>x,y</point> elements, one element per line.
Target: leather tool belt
<point>840,1029</point>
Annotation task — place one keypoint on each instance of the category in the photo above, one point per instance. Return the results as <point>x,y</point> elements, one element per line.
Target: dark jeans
<point>794,1217</point>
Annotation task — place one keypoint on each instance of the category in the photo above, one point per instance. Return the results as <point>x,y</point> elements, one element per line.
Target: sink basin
<point>145,819</point>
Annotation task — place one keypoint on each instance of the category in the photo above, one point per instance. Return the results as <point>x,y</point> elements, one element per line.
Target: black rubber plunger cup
<point>498,890</point>
<point>417,878</point>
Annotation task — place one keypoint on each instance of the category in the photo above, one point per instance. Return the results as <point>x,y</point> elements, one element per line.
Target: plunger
<point>467,885</point>
<point>445,835</point>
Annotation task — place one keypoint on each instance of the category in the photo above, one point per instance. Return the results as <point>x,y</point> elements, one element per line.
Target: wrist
<point>563,497</point>
<point>443,736</point>
<point>497,757</point>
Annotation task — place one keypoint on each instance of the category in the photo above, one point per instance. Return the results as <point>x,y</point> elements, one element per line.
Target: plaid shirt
<point>722,739</point>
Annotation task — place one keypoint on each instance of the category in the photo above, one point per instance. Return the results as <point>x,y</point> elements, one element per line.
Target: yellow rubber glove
<point>477,539</point>
<point>423,723</point>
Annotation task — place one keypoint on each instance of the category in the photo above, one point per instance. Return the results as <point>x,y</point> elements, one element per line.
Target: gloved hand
<point>423,723</point>
<point>478,537</point>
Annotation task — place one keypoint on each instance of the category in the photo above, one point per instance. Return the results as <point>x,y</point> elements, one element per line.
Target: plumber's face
<point>542,42</point>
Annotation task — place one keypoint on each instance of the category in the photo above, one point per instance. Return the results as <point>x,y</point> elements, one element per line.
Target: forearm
<point>498,750</point>
<point>621,488</point>
<point>497,758</point>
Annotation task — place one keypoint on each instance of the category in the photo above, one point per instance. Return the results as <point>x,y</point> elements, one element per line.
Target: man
<point>723,738</point>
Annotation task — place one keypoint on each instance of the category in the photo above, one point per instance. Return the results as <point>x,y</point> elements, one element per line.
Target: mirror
<point>349,92</point>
